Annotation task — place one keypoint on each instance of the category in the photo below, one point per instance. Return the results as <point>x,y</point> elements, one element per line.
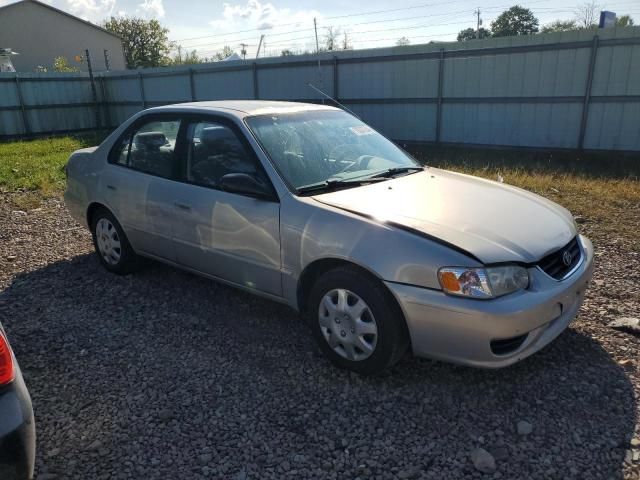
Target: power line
<point>329,18</point>
<point>349,16</point>
<point>309,37</point>
<point>288,40</point>
<point>446,14</point>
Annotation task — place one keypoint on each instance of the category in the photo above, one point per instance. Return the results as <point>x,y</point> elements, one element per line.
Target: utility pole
<point>315,27</point>
<point>94,93</point>
<point>179,53</point>
<point>260,45</point>
<point>479,22</point>
<point>243,52</point>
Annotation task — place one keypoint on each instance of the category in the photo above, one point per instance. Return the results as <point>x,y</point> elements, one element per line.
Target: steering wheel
<point>340,152</point>
<point>360,164</point>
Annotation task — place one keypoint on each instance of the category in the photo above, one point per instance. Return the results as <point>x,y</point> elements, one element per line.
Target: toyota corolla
<point>307,205</point>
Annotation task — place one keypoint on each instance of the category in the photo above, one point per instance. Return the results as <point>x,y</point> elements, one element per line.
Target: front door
<point>231,236</point>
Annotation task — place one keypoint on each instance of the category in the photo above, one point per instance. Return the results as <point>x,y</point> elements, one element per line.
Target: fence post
<point>256,92</point>
<point>335,79</point>
<point>105,103</point>
<point>439,107</point>
<point>25,119</point>
<point>587,93</point>
<point>94,92</point>
<point>143,99</point>
<point>192,85</point>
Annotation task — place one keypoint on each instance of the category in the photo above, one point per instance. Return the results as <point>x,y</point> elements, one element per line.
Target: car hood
<point>491,221</point>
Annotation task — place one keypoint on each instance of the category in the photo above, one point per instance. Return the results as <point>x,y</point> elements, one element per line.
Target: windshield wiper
<point>333,184</point>
<point>392,172</point>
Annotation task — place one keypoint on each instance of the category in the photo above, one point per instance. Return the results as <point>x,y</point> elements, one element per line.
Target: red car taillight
<point>7,368</point>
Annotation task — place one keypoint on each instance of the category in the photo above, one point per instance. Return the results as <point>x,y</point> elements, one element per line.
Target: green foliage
<point>225,53</point>
<point>470,34</point>
<point>624,21</point>
<point>560,26</point>
<point>61,64</point>
<point>515,21</point>
<point>36,164</point>
<point>189,57</point>
<point>146,42</point>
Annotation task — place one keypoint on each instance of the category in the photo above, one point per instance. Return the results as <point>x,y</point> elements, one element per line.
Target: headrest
<point>150,139</point>
<point>214,136</point>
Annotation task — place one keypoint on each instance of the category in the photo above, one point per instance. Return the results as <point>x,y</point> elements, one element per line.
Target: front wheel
<point>111,244</point>
<point>356,322</point>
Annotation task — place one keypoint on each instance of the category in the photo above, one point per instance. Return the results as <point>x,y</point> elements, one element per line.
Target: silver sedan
<point>307,205</point>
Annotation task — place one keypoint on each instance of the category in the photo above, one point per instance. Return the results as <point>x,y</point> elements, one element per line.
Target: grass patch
<point>33,169</point>
<point>602,190</point>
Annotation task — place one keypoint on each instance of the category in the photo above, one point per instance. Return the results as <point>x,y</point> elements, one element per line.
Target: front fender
<point>313,231</point>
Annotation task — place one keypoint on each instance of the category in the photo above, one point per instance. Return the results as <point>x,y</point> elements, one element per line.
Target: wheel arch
<point>316,268</point>
<point>93,208</point>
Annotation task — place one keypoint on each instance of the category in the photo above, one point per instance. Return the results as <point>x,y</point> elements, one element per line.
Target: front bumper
<point>17,432</point>
<point>461,330</point>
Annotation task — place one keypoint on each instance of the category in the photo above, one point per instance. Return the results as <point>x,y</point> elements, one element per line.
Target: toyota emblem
<point>567,257</point>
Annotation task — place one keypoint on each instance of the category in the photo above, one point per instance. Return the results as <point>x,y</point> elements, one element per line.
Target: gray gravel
<point>163,374</point>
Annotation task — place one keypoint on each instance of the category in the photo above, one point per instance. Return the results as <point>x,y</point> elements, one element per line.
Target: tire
<point>111,244</point>
<point>363,351</point>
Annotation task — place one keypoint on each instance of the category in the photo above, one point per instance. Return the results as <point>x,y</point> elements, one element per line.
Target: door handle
<point>183,206</point>
<point>111,187</point>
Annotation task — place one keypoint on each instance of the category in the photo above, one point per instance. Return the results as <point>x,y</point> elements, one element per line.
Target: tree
<point>189,58</point>
<point>286,52</point>
<point>403,42</point>
<point>624,21</point>
<point>470,34</point>
<point>515,21</point>
<point>346,45</point>
<point>61,64</point>
<point>331,38</point>
<point>560,26</point>
<point>145,42</point>
<point>588,15</point>
<point>226,52</point>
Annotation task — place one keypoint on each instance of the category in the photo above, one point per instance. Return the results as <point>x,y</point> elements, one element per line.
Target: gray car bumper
<point>17,431</point>
<point>493,333</point>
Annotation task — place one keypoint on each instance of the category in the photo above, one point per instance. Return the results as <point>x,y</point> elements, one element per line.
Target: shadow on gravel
<point>164,374</point>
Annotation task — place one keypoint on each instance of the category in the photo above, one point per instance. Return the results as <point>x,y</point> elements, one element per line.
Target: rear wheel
<point>356,322</point>
<point>111,244</point>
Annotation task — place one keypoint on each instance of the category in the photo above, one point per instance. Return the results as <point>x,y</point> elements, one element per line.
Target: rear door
<point>231,236</point>
<point>139,183</point>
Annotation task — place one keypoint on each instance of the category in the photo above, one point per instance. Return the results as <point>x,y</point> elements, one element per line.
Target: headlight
<point>483,282</point>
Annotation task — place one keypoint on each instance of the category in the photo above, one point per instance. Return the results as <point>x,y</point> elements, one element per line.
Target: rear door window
<point>150,148</point>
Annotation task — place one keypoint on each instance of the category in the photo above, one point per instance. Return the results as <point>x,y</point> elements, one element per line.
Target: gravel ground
<point>163,374</point>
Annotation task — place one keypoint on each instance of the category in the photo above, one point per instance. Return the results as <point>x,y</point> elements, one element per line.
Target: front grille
<point>507,345</point>
<point>555,264</point>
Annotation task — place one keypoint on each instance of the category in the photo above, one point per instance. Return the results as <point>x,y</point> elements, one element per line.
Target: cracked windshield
<point>318,148</point>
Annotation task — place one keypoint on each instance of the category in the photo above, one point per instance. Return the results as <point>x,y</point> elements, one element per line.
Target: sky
<point>208,25</point>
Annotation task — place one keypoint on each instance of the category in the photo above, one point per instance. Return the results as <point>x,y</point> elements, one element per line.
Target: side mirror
<point>245,184</point>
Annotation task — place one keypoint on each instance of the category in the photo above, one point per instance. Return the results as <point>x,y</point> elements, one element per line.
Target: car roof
<point>244,108</point>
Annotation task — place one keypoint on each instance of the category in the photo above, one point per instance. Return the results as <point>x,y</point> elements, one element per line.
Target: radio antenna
<point>332,99</point>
